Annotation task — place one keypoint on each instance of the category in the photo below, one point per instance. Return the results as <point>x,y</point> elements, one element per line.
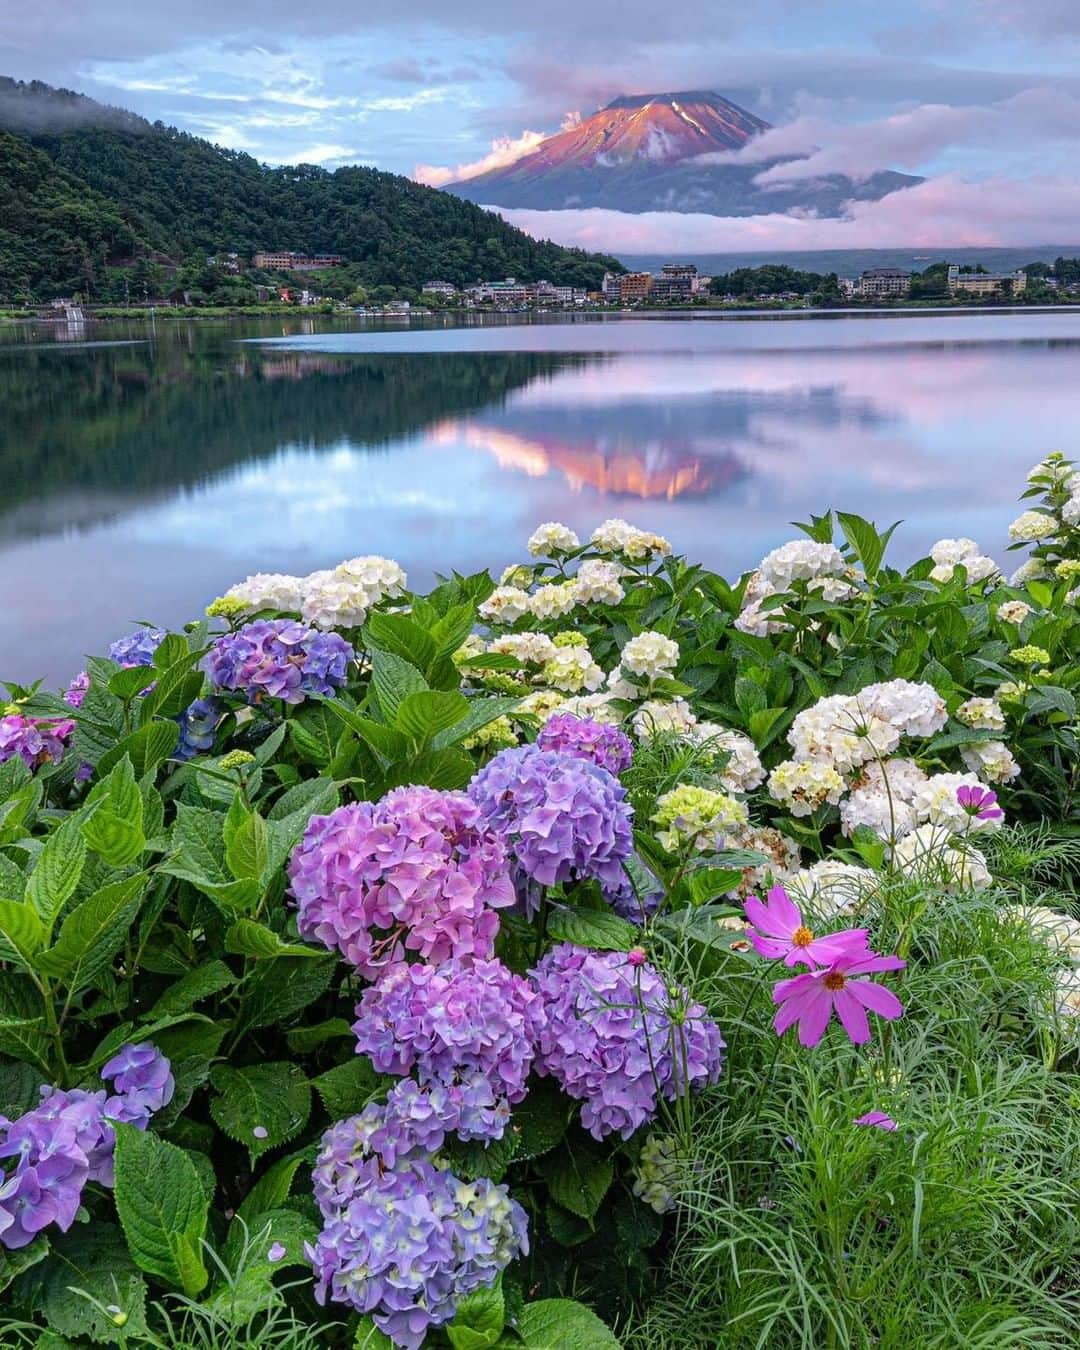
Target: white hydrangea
<point>781,851</point>
<point>651,655</point>
<point>505,604</point>
<point>991,760</point>
<point>572,669</point>
<point>517,574</point>
<point>1013,611</point>
<point>831,887</point>
<point>933,854</point>
<point>619,536</point>
<point>1067,992</point>
<point>949,552</point>
<point>983,714</point>
<point>800,560</point>
<point>269,590</point>
<point>935,802</point>
<point>553,600</point>
<point>759,622</point>
<point>743,771</point>
<point>914,709</point>
<point>1032,525</point>
<point>380,577</point>
<point>654,718</point>
<point>542,703</point>
<point>896,778</point>
<point>599,583</point>
<point>551,538</point>
<point>804,785</point>
<point>598,707</point>
<point>656,1173</point>
<point>474,645</point>
<point>331,600</point>
<point>1057,930</point>
<point>1033,570</point>
<point>620,687</point>
<point>889,818</point>
<point>832,589</point>
<point>841,730</point>
<point>531,649</point>
<point>977,566</point>
<point>1070,512</point>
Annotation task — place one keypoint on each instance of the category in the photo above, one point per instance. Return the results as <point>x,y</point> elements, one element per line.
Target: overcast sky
<point>981,96</point>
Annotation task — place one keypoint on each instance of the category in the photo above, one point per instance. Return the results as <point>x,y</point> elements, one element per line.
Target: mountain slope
<point>644,153</point>
<point>115,184</point>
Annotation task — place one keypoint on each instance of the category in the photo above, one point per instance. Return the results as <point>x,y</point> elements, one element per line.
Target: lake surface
<point>147,467</point>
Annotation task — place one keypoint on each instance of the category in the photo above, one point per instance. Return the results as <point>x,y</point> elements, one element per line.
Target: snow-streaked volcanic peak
<point>643,152</point>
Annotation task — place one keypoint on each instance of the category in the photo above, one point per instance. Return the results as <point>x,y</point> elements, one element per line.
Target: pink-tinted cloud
<point>503,151</point>
<point>943,212</point>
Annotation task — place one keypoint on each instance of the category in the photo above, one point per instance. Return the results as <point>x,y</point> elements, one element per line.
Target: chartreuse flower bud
<point>236,759</point>
<point>1030,656</point>
<point>226,607</point>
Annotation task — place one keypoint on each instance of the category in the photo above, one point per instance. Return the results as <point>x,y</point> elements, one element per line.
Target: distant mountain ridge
<point>643,152</point>
<point>84,186</point>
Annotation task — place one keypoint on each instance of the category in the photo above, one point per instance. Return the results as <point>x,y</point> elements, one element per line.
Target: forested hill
<point>82,186</point>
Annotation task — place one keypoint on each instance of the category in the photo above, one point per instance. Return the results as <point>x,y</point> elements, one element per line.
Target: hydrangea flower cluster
<point>402,1238</point>
<point>657,1172</point>
<point>598,582</point>
<point>655,718</point>
<point>1013,611</point>
<point>419,871</point>
<point>820,566</point>
<point>650,655</point>
<point>548,540</point>
<point>277,658</point>
<point>627,541</point>
<point>138,648</point>
<point>76,690</point>
<point>949,554</point>
<point>935,855</point>
<point>571,670</point>
<point>562,817</point>
<point>616,1039</point>
<point>34,740</point>
<point>805,785</point>
<point>587,739</point>
<point>831,887</point>
<point>198,723</point>
<point>699,817</point>
<point>553,600</point>
<point>335,597</point>
<point>743,770</point>
<point>531,649</point>
<point>465,1026</point>
<point>67,1140</point>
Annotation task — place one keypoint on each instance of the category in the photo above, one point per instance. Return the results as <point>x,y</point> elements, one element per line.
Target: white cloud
<point>505,150</point>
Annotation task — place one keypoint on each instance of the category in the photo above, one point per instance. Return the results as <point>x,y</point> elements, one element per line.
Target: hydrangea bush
<point>359,947</point>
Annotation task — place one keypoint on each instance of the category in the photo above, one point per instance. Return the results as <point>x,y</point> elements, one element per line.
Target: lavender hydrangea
<point>138,648</point>
<point>36,742</point>
<point>466,1026</point>
<point>614,1037</point>
<point>76,690</point>
<point>581,736</point>
<point>68,1139</point>
<point>563,818</point>
<point>198,723</point>
<point>417,871</point>
<point>278,658</point>
<point>402,1239</point>
<point>638,894</point>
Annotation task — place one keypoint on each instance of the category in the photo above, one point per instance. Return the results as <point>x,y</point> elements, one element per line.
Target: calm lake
<point>147,467</point>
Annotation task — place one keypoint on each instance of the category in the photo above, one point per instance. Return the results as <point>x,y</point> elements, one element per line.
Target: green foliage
<point>162,1208</point>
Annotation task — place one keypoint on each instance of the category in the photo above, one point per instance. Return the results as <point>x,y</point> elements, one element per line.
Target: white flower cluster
<point>840,729</point>
<point>1059,931</point>
<point>883,799</point>
<point>335,597</point>
<point>948,554</point>
<point>651,655</point>
<point>552,538</point>
<point>821,566</point>
<point>655,718</point>
<point>914,709</point>
<point>780,851</point>
<point>743,770</point>
<point>626,540</point>
<point>505,604</point>
<point>597,707</point>
<point>933,855</point>
<point>1032,570</point>
<point>1030,526</point>
<point>598,582</point>
<point>992,761</point>
<point>804,785</point>
<point>571,670</point>
<point>531,649</point>
<point>830,887</point>
<point>982,714</point>
<point>935,802</point>
<point>1013,611</point>
<point>553,601</point>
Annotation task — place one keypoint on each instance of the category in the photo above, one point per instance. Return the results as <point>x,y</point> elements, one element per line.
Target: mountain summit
<point>643,152</point>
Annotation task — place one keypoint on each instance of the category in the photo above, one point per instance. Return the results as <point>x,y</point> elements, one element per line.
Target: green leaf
<point>145,748</point>
<point>93,933</point>
<point>592,928</point>
<point>162,1208</point>
<point>19,1083</point>
<point>578,1176</point>
<point>126,683</point>
<point>115,829</point>
<point>271,1190</point>
<point>13,1263</point>
<point>867,545</point>
<point>202,982</point>
<point>246,937</point>
<point>346,1089</point>
<point>302,1040</point>
<point>88,1275</point>
<point>394,679</point>
<point>278,989</point>
<point>247,848</point>
<point>479,1319</point>
<point>540,1122</point>
<point>423,715</point>
<point>275,1098</point>
<point>21,1034</point>
<point>761,723</point>
<point>22,934</point>
<point>446,770</point>
<point>402,636</point>
<point>563,1324</point>
<point>199,836</point>
<point>58,872</point>
<point>481,712</point>
<point>369,1337</point>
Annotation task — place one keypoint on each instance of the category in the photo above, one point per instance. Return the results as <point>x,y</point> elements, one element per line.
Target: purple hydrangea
<point>417,871</point>
<point>563,818</point>
<point>138,648</point>
<point>637,897</point>
<point>402,1239</point>
<point>76,690</point>
<point>67,1140</point>
<point>198,723</point>
<point>581,736</point>
<point>466,1026</point>
<point>278,658</point>
<point>142,1083</point>
<point>34,740</point>
<point>614,1037</point>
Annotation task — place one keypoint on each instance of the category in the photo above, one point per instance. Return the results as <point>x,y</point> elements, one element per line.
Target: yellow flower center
<point>834,981</point>
<point>802,936</point>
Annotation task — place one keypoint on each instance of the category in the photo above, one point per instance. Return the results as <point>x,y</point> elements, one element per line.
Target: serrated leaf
<point>22,933</point>
<point>540,1122</point>
<point>19,1083</point>
<point>447,770</point>
<point>316,797</point>
<point>482,711</point>
<point>271,1190</point>
<point>198,835</point>
<point>394,679</point>
<point>563,1324</point>
<point>346,1089</point>
<point>21,1034</point>
<point>578,1176</point>
<point>58,871</point>
<point>131,680</point>
<point>403,637</point>
<point>14,1263</point>
<point>202,982</point>
<point>162,1208</point>
<point>93,932</point>
<point>276,990</point>
<point>421,716</point>
<point>246,937</point>
<point>479,1319</point>
<point>88,1272</point>
<point>115,838</point>
<point>273,1099</point>
<point>592,928</point>
<point>302,1040</point>
<point>247,850</point>
<point>369,1337</point>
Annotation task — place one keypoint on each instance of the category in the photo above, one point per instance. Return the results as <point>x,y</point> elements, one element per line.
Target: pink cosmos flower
<point>783,933</point>
<point>878,1119</point>
<point>811,998</point>
<point>979,802</point>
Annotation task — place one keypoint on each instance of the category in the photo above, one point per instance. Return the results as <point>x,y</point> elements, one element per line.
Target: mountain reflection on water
<point>146,472</point>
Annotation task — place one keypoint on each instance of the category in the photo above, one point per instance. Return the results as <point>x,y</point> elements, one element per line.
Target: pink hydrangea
<point>418,871</point>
